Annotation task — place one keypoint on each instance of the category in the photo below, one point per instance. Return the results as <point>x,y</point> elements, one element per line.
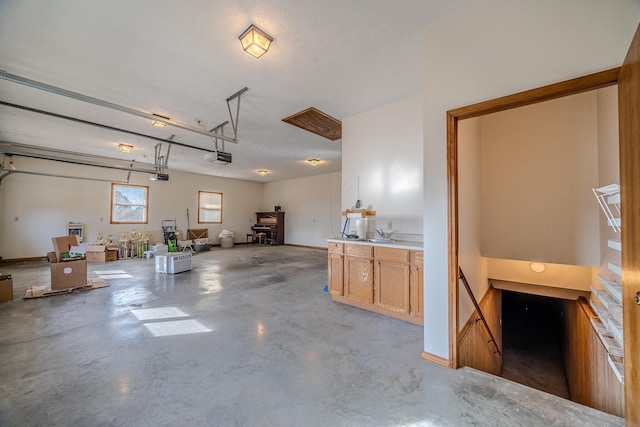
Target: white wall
<point>539,164</point>
<point>470,258</point>
<point>383,147</point>
<point>44,205</point>
<point>489,49</point>
<point>311,206</point>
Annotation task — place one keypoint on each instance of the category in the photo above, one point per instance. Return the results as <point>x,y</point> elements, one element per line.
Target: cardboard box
<point>101,253</point>
<point>63,244</point>
<point>68,274</point>
<point>6,287</point>
<point>106,256</point>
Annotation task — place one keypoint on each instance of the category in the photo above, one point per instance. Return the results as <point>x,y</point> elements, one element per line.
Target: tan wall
<point>311,206</point>
<point>470,257</point>
<point>538,166</point>
<point>44,205</point>
<point>554,275</point>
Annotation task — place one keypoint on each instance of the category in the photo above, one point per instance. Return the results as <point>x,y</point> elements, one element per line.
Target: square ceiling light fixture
<point>158,123</point>
<point>126,148</point>
<point>255,41</point>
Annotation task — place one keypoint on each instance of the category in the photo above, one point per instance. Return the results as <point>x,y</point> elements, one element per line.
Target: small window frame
<point>113,215</point>
<point>207,214</point>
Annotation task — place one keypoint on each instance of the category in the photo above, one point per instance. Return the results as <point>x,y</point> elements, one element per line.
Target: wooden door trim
<point>521,99</point>
<point>628,100</point>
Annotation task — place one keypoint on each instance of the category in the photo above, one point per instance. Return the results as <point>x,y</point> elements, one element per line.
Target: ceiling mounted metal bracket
<point>102,103</point>
<point>160,159</point>
<point>234,122</point>
<point>219,130</point>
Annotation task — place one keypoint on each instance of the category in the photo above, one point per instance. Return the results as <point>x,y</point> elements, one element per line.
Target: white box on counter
<point>160,249</point>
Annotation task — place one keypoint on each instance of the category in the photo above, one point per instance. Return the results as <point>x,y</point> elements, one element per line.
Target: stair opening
<point>532,346</point>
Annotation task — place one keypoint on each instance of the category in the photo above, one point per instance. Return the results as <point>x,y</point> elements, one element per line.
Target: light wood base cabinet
<point>392,279</point>
<point>358,273</point>
<point>336,269</point>
<point>384,280</point>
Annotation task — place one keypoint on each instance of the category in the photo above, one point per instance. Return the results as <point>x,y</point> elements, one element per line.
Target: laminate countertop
<point>398,244</point>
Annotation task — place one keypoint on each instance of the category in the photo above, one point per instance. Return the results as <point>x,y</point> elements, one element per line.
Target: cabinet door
<point>335,274</point>
<point>417,288</point>
<point>358,280</point>
<point>392,286</point>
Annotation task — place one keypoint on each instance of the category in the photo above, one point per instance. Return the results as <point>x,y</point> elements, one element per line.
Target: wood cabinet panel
<point>417,258</point>
<point>336,274</point>
<point>336,248</point>
<point>391,254</point>
<point>358,275</point>
<point>359,250</point>
<point>392,285</point>
<point>416,291</point>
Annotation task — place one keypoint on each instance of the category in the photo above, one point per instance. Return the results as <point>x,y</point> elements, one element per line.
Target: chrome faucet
<point>381,233</point>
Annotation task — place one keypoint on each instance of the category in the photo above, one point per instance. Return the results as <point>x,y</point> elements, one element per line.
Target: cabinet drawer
<point>391,254</point>
<point>417,258</point>
<point>358,250</point>
<point>336,248</point>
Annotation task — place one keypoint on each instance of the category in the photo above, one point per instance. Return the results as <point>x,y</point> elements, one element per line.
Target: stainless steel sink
<point>382,240</point>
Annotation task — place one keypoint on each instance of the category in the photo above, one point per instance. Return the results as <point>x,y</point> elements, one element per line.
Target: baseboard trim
<point>436,359</point>
<point>307,246</point>
<point>17,260</point>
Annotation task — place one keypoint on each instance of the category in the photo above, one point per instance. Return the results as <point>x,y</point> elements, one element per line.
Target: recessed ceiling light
<point>126,148</point>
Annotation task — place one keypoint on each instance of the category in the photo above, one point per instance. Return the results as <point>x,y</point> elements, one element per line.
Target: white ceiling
<point>182,59</point>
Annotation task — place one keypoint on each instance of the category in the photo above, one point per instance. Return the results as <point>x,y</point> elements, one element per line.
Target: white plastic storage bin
<point>173,263</point>
<point>226,242</point>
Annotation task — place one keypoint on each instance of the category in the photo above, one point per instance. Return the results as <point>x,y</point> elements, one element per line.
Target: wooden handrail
<point>475,303</point>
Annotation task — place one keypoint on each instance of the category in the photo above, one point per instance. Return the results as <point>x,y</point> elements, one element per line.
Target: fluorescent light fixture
<point>255,41</point>
<point>314,162</point>
<point>263,172</point>
<point>126,148</point>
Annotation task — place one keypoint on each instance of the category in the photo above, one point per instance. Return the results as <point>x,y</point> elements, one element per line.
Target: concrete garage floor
<point>278,353</point>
